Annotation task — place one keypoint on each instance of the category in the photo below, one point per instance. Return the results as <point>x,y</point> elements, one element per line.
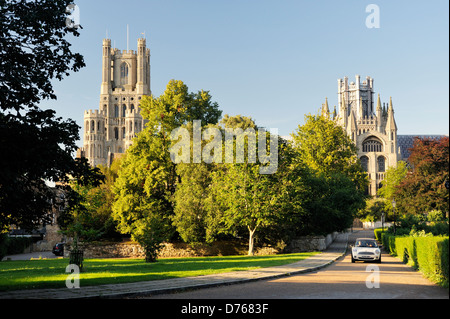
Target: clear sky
<point>274,61</point>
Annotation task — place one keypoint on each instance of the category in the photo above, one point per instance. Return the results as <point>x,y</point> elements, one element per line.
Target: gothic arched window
<point>124,110</point>
<point>123,73</point>
<point>365,163</point>
<point>381,164</point>
<point>372,145</point>
<point>116,111</point>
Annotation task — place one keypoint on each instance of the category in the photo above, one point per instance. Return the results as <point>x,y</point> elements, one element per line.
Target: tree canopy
<point>148,177</point>
<point>36,146</point>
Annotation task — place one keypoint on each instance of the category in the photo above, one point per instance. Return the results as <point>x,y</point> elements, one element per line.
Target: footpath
<point>336,250</point>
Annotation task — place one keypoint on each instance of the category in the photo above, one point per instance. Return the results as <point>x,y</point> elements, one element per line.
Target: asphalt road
<point>340,280</point>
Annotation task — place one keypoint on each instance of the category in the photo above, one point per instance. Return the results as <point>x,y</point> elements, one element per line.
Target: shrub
<point>13,245</point>
<point>388,241</point>
<point>378,232</point>
<point>428,254</point>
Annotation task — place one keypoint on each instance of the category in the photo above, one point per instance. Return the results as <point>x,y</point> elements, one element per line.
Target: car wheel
<point>353,260</point>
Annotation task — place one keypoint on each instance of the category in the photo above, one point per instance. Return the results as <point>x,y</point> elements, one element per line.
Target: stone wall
<point>170,250</point>
<point>130,249</point>
<point>310,243</point>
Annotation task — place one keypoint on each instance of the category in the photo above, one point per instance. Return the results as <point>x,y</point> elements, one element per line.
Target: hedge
<point>429,255</point>
<point>378,232</point>
<point>13,245</point>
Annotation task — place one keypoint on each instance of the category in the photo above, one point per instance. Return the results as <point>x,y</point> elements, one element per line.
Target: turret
<point>143,68</point>
<point>106,67</point>
<point>94,136</point>
<point>379,114</point>
<point>391,126</point>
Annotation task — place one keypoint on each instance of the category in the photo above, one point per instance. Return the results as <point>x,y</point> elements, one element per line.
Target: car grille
<point>366,253</point>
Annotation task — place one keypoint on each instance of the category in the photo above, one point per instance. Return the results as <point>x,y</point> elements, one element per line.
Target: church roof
<point>405,142</point>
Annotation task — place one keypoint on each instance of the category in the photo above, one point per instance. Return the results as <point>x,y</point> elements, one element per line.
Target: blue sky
<point>274,61</point>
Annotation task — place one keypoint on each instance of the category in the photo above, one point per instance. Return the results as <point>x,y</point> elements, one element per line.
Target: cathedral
<point>109,131</point>
<point>371,126</point>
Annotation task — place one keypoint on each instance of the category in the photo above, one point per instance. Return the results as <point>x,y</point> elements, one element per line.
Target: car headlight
<point>377,251</point>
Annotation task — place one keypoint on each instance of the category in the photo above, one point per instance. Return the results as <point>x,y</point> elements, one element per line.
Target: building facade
<point>109,131</point>
<point>371,126</point>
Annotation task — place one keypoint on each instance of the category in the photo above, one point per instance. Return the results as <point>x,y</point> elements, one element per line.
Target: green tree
<point>142,191</point>
<point>190,200</point>
<point>246,199</point>
<point>336,181</point>
<point>146,183</point>
<point>392,180</point>
<point>241,197</point>
<point>374,209</point>
<point>324,147</point>
<point>34,50</point>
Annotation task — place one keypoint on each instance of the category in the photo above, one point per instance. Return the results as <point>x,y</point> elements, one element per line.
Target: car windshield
<point>366,243</point>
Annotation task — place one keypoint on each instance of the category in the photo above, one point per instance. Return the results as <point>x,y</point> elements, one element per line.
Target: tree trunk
<point>251,242</point>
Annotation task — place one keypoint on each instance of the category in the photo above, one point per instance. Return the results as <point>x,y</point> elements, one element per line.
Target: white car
<point>366,249</point>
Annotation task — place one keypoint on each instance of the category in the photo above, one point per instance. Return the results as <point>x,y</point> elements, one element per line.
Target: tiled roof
<point>405,142</point>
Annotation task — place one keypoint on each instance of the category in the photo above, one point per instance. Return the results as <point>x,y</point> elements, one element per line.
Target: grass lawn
<point>50,273</point>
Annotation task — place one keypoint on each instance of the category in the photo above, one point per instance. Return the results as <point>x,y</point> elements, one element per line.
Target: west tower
<point>109,131</point>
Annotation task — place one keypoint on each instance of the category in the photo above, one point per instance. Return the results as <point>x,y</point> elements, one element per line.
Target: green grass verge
<point>50,273</point>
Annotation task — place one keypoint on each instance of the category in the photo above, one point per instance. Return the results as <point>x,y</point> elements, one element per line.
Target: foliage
<point>92,219</point>
<point>143,190</point>
<point>373,211</point>
<point>331,204</point>
<point>146,183</point>
<point>191,212</point>
<point>34,50</point>
<point>78,220</point>
<point>241,197</point>
<point>13,245</point>
<point>423,188</point>
<point>393,178</point>
<point>325,147</point>
<point>336,181</point>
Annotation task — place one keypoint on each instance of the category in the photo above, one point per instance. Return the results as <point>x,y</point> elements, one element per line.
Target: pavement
<point>336,250</point>
<point>29,256</point>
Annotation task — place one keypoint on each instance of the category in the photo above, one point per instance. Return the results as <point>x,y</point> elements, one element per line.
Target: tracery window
<point>123,73</point>
<point>381,164</point>
<point>372,145</point>
<point>365,163</point>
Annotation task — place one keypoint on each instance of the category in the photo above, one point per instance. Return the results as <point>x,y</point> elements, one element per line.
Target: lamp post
<point>393,207</point>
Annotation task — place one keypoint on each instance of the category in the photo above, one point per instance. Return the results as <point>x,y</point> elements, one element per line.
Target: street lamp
<point>393,207</point>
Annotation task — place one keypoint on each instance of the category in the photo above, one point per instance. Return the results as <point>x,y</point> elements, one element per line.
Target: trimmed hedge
<point>429,255</point>
<point>378,232</point>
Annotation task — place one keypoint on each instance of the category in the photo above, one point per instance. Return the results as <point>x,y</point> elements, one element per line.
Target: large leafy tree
<point>241,199</point>
<point>423,188</point>
<point>324,147</point>
<point>34,143</point>
<point>336,179</point>
<point>147,180</point>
